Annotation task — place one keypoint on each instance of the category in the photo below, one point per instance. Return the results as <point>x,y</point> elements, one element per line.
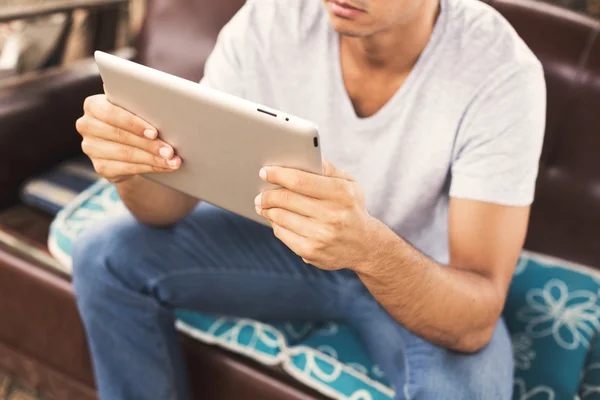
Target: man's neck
<point>397,49</point>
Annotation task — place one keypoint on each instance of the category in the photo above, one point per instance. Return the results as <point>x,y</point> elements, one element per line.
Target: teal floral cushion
<point>590,378</point>
<point>308,352</point>
<point>328,358</point>
<point>552,311</point>
<point>332,357</point>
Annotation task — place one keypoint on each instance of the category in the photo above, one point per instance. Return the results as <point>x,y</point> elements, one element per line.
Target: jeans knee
<point>99,251</point>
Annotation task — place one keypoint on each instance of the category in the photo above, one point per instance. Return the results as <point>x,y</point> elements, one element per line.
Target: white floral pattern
<point>521,265</point>
<point>99,207</point>
<point>330,351</point>
<point>359,367</point>
<point>522,351</point>
<point>261,333</point>
<point>536,393</point>
<point>328,329</point>
<point>312,368</point>
<point>297,332</point>
<point>376,370</point>
<point>587,389</point>
<point>570,317</point>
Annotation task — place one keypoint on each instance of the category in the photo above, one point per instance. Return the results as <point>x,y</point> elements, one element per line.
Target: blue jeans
<point>129,277</point>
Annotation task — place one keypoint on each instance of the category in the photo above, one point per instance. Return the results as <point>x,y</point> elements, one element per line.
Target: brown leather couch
<point>41,337</point>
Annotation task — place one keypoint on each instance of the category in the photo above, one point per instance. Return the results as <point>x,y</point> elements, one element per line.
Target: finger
<point>332,171</point>
<point>99,107</point>
<point>288,200</point>
<point>312,185</point>
<point>299,224</point>
<point>89,126</point>
<point>115,170</point>
<point>107,150</point>
<point>298,244</point>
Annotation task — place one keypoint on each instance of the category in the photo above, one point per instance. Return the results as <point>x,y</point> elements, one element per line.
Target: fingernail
<point>258,210</point>
<point>150,133</point>
<point>165,152</point>
<point>263,174</point>
<point>258,200</point>
<point>172,162</point>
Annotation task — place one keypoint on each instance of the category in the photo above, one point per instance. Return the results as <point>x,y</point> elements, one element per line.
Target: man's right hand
<point>120,144</point>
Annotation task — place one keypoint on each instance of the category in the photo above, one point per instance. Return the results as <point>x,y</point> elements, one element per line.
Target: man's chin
<point>347,27</point>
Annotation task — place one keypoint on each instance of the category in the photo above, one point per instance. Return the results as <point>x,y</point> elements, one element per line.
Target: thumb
<point>105,91</point>
<point>332,171</point>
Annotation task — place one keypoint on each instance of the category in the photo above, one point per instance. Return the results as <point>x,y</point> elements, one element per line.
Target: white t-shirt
<point>468,122</point>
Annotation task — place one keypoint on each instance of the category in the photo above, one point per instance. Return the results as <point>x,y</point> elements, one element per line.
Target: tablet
<point>222,140</point>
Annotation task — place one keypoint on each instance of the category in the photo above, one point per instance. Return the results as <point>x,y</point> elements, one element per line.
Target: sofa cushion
<point>552,312</point>
<point>329,359</point>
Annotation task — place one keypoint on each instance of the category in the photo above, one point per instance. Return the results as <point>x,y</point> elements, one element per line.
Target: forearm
<point>153,203</point>
<point>324,220</point>
<point>447,305</point>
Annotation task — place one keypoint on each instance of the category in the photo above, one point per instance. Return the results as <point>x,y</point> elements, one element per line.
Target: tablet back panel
<point>223,140</point>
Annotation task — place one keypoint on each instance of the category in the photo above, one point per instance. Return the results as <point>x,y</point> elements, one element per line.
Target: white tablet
<point>222,140</point>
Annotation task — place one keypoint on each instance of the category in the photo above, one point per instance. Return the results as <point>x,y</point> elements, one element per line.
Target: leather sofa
<point>41,336</point>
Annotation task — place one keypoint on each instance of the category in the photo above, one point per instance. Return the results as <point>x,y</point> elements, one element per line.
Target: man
<point>431,117</point>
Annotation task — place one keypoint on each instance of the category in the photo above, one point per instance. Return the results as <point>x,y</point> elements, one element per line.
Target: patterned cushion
<point>590,379</point>
<point>308,354</point>
<point>330,358</point>
<point>552,312</point>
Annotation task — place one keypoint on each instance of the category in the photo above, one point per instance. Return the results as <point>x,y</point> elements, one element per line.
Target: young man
<point>431,115</point>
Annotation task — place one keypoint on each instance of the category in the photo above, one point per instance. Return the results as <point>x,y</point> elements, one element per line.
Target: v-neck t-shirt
<point>468,121</point>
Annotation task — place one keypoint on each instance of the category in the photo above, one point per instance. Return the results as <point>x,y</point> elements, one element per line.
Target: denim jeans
<point>129,277</point>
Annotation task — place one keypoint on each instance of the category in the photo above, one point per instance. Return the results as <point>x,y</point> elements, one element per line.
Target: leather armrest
<point>37,121</point>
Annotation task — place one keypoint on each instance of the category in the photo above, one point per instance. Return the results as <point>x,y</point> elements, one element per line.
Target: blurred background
<point>37,34</point>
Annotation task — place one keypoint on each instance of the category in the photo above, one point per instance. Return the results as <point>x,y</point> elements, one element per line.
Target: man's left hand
<point>323,219</point>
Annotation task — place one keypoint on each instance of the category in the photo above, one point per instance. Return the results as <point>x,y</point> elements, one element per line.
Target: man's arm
<point>153,203</point>
<point>456,306</point>
<point>122,146</point>
<point>324,220</point>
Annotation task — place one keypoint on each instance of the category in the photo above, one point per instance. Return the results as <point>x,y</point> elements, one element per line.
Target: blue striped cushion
<point>56,188</point>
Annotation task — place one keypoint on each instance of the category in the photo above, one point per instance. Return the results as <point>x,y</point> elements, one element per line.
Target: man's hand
<point>323,219</point>
<point>120,144</point>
